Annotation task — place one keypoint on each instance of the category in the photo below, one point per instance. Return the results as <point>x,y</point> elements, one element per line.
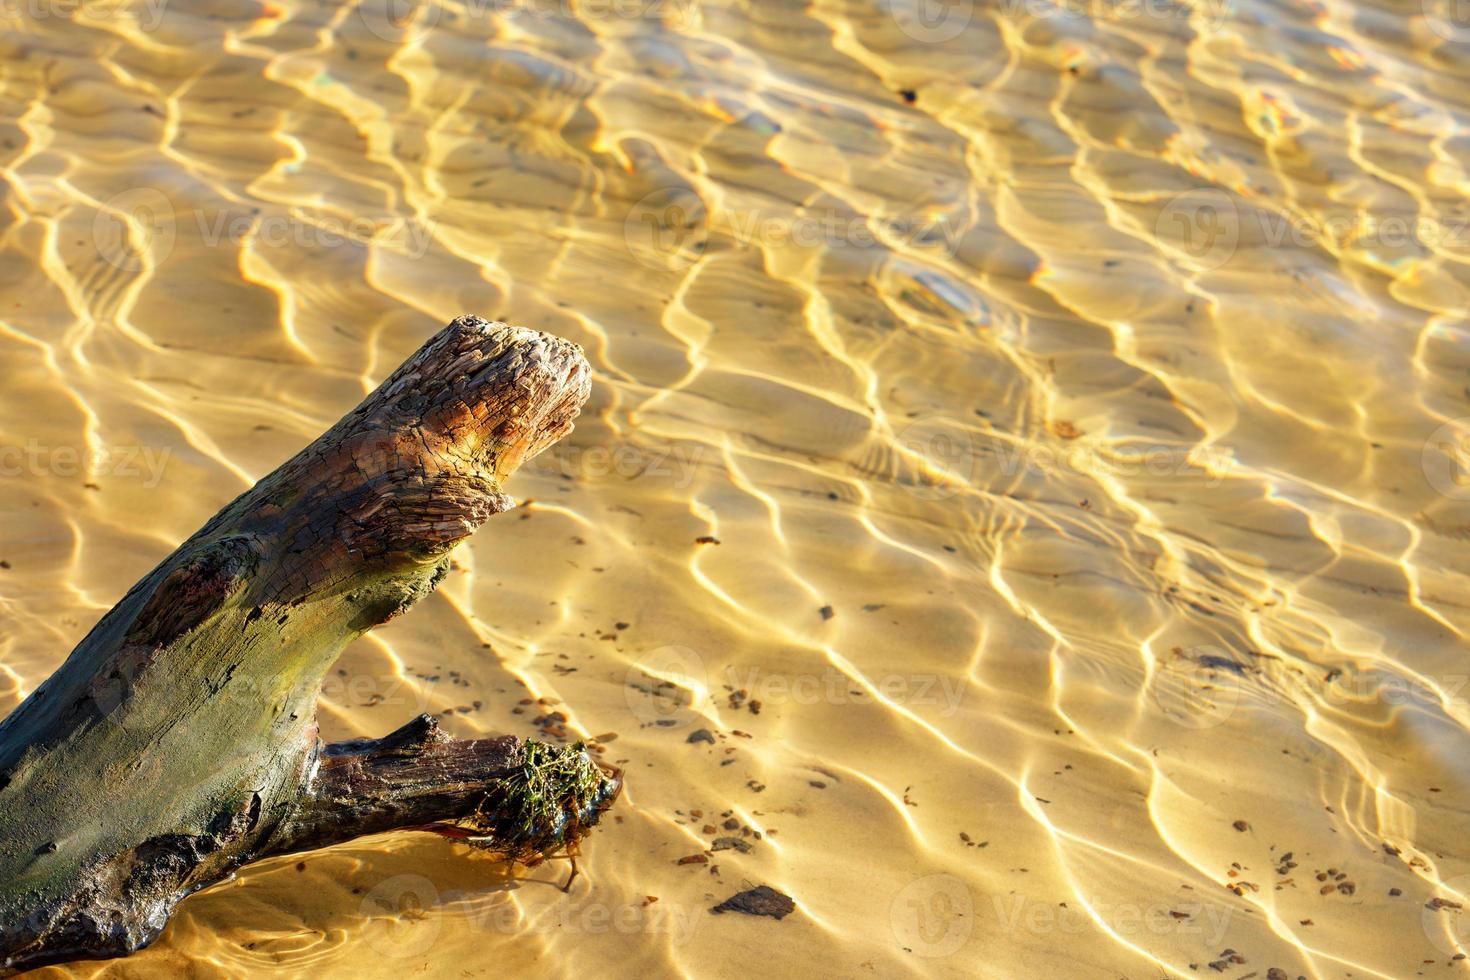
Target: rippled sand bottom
<point>1018,441</point>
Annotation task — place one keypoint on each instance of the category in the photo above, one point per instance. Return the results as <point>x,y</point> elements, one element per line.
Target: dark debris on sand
<point>761,900</point>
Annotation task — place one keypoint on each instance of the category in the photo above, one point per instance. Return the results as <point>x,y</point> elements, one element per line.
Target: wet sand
<point>1029,440</point>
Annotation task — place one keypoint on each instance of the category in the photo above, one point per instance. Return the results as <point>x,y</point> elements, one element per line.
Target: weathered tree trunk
<point>178,741</point>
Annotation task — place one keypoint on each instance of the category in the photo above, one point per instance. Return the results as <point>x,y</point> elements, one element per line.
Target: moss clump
<point>554,799</point>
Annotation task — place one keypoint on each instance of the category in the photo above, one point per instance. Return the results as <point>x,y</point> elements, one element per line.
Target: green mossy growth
<point>548,806</point>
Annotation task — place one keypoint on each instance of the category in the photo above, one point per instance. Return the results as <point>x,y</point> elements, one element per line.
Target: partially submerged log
<point>179,740</point>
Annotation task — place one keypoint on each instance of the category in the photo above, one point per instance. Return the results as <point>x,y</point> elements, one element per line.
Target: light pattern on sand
<point>1052,417</point>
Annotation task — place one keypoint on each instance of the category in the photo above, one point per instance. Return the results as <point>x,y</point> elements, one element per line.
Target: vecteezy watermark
<point>932,21</point>
<point>146,15</point>
<point>678,922</point>
<point>1209,462</point>
<point>936,457</point>
<point>672,687</point>
<point>1450,19</point>
<point>675,465</point>
<point>134,228</point>
<point>403,21</point>
<point>399,21</point>
<point>1445,459</point>
<point>939,456</point>
<point>671,228</point>
<point>1203,225</point>
<point>1142,920</point>
<point>1340,688</point>
<point>111,695</point>
<point>409,236</point>
<point>1364,231</point>
<point>399,919</point>
<point>35,458</point>
<point>667,229</point>
<point>1202,686</point>
<point>933,916</point>
<point>1207,227</point>
<point>359,689</point>
<point>141,226</point>
<point>405,915</point>
<point>665,686</point>
<point>1198,687</point>
<point>1198,14</point>
<point>925,690</point>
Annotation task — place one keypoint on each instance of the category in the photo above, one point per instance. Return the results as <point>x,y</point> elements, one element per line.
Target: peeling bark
<point>178,741</point>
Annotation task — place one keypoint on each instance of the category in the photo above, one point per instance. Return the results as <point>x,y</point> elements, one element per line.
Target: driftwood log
<point>179,740</point>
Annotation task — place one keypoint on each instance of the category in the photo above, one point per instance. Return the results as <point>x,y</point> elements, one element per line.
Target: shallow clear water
<point>1053,415</point>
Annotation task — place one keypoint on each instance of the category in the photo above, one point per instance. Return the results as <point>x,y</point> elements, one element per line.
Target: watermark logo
<point>674,14</point>
<point>674,464</point>
<point>651,917</point>
<point>940,453</point>
<point>399,923</point>
<point>133,227</point>
<point>1199,687</point>
<point>1203,14</point>
<point>354,689</point>
<point>1203,686</point>
<point>667,229</point>
<point>112,693</point>
<point>1445,459</point>
<point>145,464</point>
<point>762,688</point>
<point>1146,921</point>
<point>933,916</point>
<point>671,686</point>
<point>406,21</point>
<point>406,914</point>
<point>1387,234</point>
<point>1203,225</point>
<point>142,224</point>
<point>108,694</point>
<point>1450,19</point>
<point>671,228</point>
<point>1210,463</point>
<point>938,457</point>
<point>932,21</point>
<point>399,21</point>
<point>664,687</point>
<point>145,15</point>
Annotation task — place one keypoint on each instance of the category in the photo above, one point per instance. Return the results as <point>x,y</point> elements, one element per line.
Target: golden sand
<point>1052,415</point>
